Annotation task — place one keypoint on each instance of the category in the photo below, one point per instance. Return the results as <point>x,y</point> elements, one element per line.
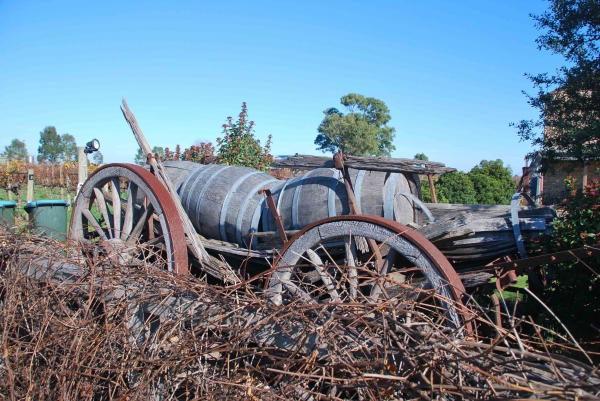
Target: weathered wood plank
<point>442,228</point>
<point>387,164</point>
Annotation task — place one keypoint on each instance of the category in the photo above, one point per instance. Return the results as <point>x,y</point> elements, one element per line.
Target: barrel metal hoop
<point>295,200</point>
<point>260,209</point>
<point>416,200</point>
<point>358,188</point>
<point>331,192</point>
<point>240,217</point>
<point>184,184</point>
<point>225,206</point>
<point>390,193</point>
<point>199,175</point>
<point>204,188</point>
<point>516,225</point>
<point>265,211</point>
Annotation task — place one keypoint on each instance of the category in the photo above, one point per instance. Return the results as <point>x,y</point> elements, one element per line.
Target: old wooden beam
<point>394,165</point>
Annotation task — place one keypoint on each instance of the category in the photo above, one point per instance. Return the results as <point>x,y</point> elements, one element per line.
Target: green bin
<point>7,213</point>
<point>49,217</point>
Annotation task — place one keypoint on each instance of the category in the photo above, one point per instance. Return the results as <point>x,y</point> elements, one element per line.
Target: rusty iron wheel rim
<point>142,184</point>
<point>455,289</point>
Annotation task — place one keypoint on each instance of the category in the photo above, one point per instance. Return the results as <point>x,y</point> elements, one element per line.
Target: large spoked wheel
<point>333,261</point>
<point>124,211</point>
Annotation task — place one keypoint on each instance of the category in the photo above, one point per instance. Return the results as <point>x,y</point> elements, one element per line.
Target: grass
<point>509,294</point>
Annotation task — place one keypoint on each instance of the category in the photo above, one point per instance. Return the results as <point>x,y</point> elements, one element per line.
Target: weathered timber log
<point>386,164</point>
<point>442,228</point>
<point>444,211</point>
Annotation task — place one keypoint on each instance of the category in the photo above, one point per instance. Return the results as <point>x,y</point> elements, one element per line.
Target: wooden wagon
<point>348,230</point>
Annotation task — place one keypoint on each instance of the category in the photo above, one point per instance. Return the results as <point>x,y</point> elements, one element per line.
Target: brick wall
<point>554,183</point>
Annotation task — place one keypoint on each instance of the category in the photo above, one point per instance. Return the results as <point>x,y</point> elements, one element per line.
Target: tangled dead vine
<point>87,328</point>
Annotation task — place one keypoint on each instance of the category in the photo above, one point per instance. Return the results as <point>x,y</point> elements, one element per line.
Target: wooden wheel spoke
<point>350,250</point>
<point>116,201</point>
<point>92,220</point>
<point>298,293</point>
<point>155,241</point>
<point>132,190</point>
<point>385,268</point>
<point>325,277</point>
<point>139,227</point>
<point>101,204</point>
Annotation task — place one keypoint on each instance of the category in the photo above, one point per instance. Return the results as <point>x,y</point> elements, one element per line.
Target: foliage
<point>574,293</point>
<point>55,148</point>
<point>421,156</point>
<point>426,191</point>
<point>568,102</point>
<point>362,131</point>
<point>201,153</point>
<point>98,158</point>
<point>238,147</point>
<point>488,183</point>
<point>17,150</point>
<point>68,147</point>
<point>50,148</point>
<point>455,187</point>
<point>140,158</point>
<point>492,182</point>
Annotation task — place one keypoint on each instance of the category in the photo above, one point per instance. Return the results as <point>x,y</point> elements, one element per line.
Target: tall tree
<point>98,158</point>
<point>362,131</point>
<point>68,147</point>
<point>50,149</point>
<point>421,156</point>
<point>16,150</point>
<point>568,124</point>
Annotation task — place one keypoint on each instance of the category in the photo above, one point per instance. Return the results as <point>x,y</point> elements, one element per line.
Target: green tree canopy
<point>50,149</point>
<point>16,150</point>
<point>455,187</point>
<point>362,131</point>
<point>492,182</point>
<point>488,183</point>
<point>421,156</point>
<point>568,123</point>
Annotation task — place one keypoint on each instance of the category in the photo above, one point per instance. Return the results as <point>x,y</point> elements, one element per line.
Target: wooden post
<point>585,175</point>
<point>30,185</point>
<point>432,189</point>
<point>82,165</point>
<point>61,181</point>
<point>9,187</point>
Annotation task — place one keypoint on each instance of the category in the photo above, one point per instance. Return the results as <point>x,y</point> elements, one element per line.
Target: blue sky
<point>451,73</point>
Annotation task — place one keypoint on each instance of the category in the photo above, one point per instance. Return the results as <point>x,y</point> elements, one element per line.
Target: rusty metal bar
<point>273,207</point>
<point>522,264</point>
<point>432,189</point>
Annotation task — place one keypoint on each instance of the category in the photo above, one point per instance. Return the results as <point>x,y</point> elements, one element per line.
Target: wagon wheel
<point>148,227</point>
<point>330,262</point>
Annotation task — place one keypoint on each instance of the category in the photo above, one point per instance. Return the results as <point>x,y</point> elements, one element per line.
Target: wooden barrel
<point>321,193</point>
<point>223,201</point>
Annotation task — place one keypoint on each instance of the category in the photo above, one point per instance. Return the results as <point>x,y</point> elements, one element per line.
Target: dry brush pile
<point>87,328</point>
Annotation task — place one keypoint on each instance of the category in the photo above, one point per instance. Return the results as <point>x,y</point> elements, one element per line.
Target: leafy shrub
<point>574,291</point>
<point>238,147</point>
